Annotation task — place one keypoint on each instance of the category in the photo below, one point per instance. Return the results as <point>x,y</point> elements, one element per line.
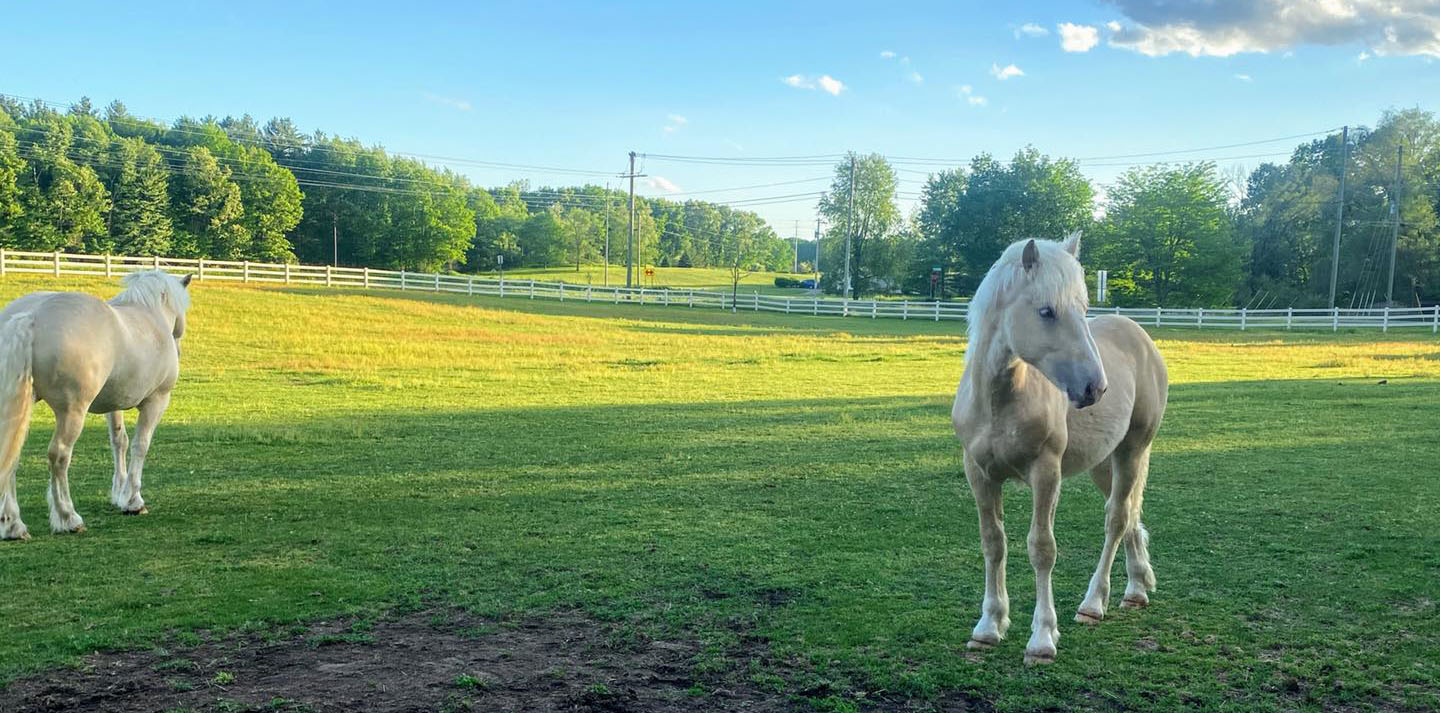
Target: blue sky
<point>579,84</point>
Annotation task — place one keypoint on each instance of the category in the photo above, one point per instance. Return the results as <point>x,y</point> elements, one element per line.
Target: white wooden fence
<point>58,264</point>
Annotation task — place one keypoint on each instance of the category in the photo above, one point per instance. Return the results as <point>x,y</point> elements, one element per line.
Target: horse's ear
<point>185,281</point>
<point>1030,255</point>
<point>1072,243</point>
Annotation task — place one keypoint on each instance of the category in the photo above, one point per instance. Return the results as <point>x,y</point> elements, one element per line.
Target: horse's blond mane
<point>1057,274</point>
<point>153,289</point>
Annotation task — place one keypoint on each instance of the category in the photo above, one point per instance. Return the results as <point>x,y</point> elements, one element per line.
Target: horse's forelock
<point>152,289</point>
<point>1057,275</point>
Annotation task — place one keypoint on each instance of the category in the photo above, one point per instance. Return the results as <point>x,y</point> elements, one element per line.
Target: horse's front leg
<point>1045,627</point>
<point>150,412</point>
<point>995,609</point>
<point>119,441</point>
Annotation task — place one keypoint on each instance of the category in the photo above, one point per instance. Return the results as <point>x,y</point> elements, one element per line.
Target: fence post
<point>532,288</point>
<point>201,276</point>
<point>1157,315</point>
<point>1385,320</point>
<point>2,264</point>
<point>57,263</point>
<point>1242,319</point>
<point>815,306</point>
<point>845,306</point>
<point>562,292</point>
<point>904,310</point>
<point>437,282</point>
<point>245,271</point>
<point>287,273</point>
<point>502,285</point>
<point>327,276</point>
<point>366,272</point>
<point>402,278</point>
<point>691,298</point>
<point>937,312</point>
<point>1289,316</point>
<point>756,296</point>
<point>874,308</point>
<point>1435,324</point>
<point>1200,317</point>
<point>588,289</point>
<point>1335,319</point>
<point>108,271</point>
<point>157,262</point>
<point>470,286</point>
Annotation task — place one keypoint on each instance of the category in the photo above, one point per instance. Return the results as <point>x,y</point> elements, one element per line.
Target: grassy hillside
<point>699,278</point>
<point>751,475</point>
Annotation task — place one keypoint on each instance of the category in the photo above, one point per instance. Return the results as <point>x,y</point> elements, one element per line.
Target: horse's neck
<point>997,378</point>
<point>138,317</point>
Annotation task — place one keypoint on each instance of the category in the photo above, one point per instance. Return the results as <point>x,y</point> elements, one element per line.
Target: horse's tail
<point>17,394</point>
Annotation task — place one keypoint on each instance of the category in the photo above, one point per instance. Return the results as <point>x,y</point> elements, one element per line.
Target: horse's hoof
<point>1039,659</point>
<point>141,511</point>
<point>1133,602</point>
<point>1082,617</point>
<point>18,538</point>
<point>979,645</point>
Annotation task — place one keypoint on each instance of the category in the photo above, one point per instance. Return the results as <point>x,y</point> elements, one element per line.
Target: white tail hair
<point>16,398</point>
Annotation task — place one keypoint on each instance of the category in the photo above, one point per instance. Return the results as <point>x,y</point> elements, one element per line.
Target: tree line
<point>1175,234</point>
<point>85,180</point>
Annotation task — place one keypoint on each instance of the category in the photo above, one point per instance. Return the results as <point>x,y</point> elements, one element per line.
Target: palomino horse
<point>79,354</point>
<point>1029,407</point>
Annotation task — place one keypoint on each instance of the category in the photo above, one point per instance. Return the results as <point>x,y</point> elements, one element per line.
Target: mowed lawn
<point>668,469</point>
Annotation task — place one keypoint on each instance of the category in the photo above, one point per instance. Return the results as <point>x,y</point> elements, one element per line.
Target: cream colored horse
<point>79,354</point>
<point>1030,407</point>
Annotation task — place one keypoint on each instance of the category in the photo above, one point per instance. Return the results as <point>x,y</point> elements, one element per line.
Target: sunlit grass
<point>331,452</point>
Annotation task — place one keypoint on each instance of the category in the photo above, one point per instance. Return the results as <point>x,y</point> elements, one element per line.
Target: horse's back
<point>72,353</point>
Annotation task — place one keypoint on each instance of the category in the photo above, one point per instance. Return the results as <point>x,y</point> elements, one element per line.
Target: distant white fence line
<point>58,264</point>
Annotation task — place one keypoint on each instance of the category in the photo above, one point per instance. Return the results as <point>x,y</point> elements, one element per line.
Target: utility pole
<point>630,245</point>
<point>335,240</point>
<point>850,229</point>
<point>1395,224</point>
<point>1339,212</point>
<point>817,253</point>
<point>607,233</point>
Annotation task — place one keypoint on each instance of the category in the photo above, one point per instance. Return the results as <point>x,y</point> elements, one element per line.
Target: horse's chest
<point>1008,447</point>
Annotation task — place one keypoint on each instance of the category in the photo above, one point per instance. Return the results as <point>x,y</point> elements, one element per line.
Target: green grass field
<point>697,278</point>
<point>669,470</point>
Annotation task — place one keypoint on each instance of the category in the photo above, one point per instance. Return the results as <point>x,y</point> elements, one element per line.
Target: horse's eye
<point>1047,312</point>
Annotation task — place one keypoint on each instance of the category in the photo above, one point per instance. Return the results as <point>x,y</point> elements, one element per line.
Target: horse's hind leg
<point>119,441</point>
<point>69,420</point>
<point>150,412</point>
<point>1137,539</point>
<point>11,527</point>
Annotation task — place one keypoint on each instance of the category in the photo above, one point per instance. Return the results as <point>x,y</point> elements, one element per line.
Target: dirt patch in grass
<point>434,662</point>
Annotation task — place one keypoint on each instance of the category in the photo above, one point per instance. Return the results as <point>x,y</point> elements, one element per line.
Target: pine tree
<point>140,220</point>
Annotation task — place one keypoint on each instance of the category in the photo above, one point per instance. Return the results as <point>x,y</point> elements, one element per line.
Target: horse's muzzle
<point>1092,394</point>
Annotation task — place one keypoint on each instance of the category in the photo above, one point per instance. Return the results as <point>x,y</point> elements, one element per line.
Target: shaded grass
<point>687,469</point>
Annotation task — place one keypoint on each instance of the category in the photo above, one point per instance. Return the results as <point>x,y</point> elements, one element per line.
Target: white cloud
<point>1113,26</point>
<point>460,104</point>
<point>1244,78</point>
<point>824,82</point>
<point>661,183</point>
<point>916,77</point>
<point>677,120</point>
<point>1077,38</point>
<point>1222,29</point>
<point>1362,57</point>
<point>1030,29</point>
<point>1006,72</point>
<point>905,60</point>
<point>887,54</point>
<point>968,92</point>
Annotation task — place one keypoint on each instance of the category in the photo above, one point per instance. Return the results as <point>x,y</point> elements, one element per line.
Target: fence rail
<point>59,264</point>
